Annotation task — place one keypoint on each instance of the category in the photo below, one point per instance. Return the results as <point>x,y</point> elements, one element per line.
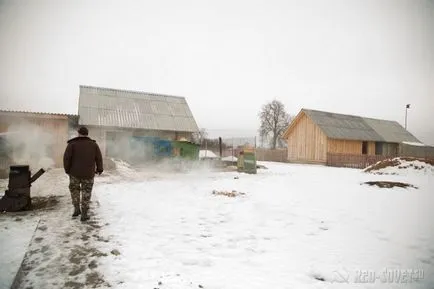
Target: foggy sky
<point>228,58</point>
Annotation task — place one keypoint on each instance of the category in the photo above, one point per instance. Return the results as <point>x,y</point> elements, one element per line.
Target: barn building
<point>114,117</point>
<point>324,137</point>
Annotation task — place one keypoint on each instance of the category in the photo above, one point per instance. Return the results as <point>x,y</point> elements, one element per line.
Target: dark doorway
<point>364,148</point>
<point>378,148</point>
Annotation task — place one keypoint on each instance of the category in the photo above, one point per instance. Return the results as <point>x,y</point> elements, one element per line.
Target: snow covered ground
<point>295,226</point>
<point>14,240</point>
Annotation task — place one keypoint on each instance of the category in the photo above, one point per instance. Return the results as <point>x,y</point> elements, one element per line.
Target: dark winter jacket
<point>82,158</point>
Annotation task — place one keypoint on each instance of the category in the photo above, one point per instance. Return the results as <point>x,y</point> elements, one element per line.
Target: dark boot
<point>84,216</point>
<point>76,211</point>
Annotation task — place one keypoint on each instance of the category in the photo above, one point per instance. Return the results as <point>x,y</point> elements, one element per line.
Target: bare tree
<point>200,136</point>
<point>274,121</point>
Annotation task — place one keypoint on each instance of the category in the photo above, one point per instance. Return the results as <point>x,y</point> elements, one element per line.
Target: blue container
<point>142,147</point>
<point>163,148</point>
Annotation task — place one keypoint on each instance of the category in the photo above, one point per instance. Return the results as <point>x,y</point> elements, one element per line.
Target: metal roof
<point>35,112</point>
<point>391,131</point>
<point>133,109</point>
<point>351,127</point>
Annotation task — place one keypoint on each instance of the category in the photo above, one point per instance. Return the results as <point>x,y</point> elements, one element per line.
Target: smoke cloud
<point>137,157</point>
<point>29,144</point>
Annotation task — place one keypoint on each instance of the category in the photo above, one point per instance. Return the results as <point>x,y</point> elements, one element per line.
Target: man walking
<point>81,159</point>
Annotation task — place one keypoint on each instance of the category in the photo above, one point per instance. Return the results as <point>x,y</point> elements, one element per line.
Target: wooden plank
<point>306,141</point>
<point>344,146</point>
<point>371,148</point>
<point>352,160</point>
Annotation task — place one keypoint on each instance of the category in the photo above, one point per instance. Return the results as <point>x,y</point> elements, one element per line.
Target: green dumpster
<point>185,150</point>
<point>247,161</point>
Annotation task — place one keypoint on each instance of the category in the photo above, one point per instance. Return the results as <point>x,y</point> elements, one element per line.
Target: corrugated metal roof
<point>132,109</point>
<point>391,131</point>
<point>350,127</point>
<point>36,112</point>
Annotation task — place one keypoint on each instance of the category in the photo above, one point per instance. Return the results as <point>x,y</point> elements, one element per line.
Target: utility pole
<point>406,108</point>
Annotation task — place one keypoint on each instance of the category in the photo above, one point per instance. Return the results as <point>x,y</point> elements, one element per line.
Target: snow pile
<point>401,166</point>
<point>125,169</point>
<point>207,154</point>
<point>413,143</point>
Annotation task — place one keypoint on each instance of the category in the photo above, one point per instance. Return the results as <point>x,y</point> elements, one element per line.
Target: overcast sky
<point>228,58</point>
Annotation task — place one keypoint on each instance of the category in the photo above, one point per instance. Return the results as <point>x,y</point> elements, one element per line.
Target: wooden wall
<point>349,147</point>
<point>371,148</point>
<point>344,146</point>
<point>270,155</point>
<point>306,142</point>
<point>390,149</point>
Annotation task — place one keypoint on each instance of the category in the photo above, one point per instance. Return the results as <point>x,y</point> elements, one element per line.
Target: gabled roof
<point>351,127</point>
<point>133,109</point>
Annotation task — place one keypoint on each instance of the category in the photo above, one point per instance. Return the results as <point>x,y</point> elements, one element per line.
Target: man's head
<point>83,131</point>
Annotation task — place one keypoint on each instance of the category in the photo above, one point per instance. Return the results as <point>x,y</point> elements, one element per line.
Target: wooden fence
<point>424,152</point>
<point>269,155</point>
<point>353,161</point>
<point>4,167</point>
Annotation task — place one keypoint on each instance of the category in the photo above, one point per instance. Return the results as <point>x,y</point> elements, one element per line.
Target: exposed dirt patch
<point>93,264</point>
<point>115,252</point>
<point>77,270</point>
<point>397,162</point>
<point>74,285</point>
<point>318,277</point>
<point>427,161</point>
<point>97,253</point>
<point>77,254</point>
<point>383,164</point>
<point>94,280</point>
<point>388,184</point>
<point>38,239</point>
<point>229,194</point>
<point>42,228</point>
<point>78,262</point>
<point>45,203</point>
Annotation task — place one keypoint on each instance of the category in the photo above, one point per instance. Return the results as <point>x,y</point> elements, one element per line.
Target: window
<point>364,148</point>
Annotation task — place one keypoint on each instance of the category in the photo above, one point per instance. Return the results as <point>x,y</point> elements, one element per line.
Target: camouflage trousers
<point>84,186</point>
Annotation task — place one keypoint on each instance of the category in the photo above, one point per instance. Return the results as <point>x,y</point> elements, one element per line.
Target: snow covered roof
<point>414,143</point>
<point>207,154</point>
<point>230,159</point>
<point>132,109</point>
<point>351,127</point>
